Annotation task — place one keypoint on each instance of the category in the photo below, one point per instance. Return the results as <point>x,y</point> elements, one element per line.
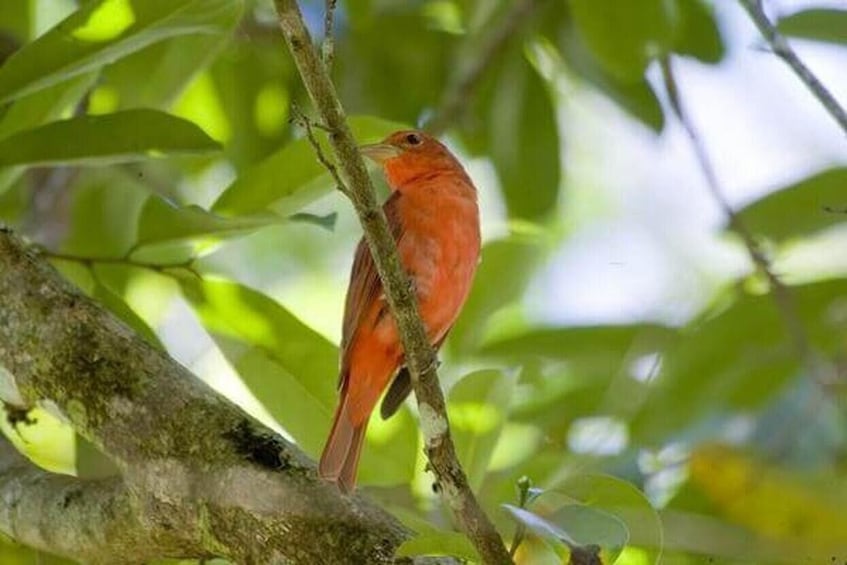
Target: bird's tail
<point>340,457</point>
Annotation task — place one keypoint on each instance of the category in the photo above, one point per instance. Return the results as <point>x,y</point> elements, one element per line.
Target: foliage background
<point>618,348</point>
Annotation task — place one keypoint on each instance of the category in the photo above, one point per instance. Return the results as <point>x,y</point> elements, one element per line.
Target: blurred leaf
<point>167,67</point>
<point>37,108</point>
<point>16,22</point>
<point>756,357</point>
<point>624,36</point>
<point>515,125</point>
<point>288,366</point>
<point>772,502</point>
<point>504,271</point>
<point>102,32</point>
<point>541,527</point>
<point>117,306</point>
<point>635,96</point>
<point>90,461</point>
<point>619,499</point>
<point>590,349</point>
<point>292,177</point>
<point>804,202</point>
<point>478,406</point>
<point>820,24</point>
<point>292,370</point>
<point>399,84</point>
<point>441,543</point>
<point>697,32</point>
<point>163,221</point>
<point>130,135</point>
<point>104,209</point>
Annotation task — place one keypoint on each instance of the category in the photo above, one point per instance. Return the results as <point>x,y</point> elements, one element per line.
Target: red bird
<point>433,215</point>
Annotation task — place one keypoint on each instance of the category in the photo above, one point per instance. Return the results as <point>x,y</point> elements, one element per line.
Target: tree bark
<point>198,476</point>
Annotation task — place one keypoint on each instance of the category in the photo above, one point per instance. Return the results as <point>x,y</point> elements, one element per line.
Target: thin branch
<point>783,50</point>
<point>328,43</point>
<point>303,121</point>
<point>782,296</point>
<point>463,84</point>
<point>419,355</point>
<point>90,262</point>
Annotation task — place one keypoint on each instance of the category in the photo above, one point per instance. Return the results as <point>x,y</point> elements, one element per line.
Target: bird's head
<point>408,154</point>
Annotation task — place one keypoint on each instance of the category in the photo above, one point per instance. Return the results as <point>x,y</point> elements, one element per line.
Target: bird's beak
<point>380,152</point>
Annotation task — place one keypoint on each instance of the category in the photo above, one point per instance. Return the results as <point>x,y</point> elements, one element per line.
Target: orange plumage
<point>433,215</point>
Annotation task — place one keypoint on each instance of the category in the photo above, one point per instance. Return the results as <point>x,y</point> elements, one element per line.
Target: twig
<point>303,121</point>
<point>781,294</point>
<point>781,48</point>
<point>463,84</point>
<point>328,43</point>
<point>161,268</point>
<point>419,355</point>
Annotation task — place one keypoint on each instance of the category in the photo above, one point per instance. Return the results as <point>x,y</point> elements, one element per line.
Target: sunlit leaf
<point>131,135</point>
<point>478,406</point>
<point>812,205</point>
<point>103,31</point>
<point>820,24</point>
<point>292,177</point>
<point>440,543</point>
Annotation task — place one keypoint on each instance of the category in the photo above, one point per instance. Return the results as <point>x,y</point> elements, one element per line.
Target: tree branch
<point>782,296</point>
<point>783,50</point>
<point>200,477</point>
<point>462,84</point>
<point>419,355</point>
<point>91,521</point>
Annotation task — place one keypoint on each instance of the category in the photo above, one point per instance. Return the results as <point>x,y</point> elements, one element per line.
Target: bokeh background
<point>620,349</point>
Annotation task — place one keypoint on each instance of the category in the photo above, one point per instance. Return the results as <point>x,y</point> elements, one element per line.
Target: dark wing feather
<point>365,287</point>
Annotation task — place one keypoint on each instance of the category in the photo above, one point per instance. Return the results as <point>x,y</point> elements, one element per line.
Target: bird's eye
<point>413,139</point>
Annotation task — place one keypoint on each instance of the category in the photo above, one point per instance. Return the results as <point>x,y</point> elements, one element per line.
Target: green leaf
<point>117,306</point>
<point>756,358</point>
<point>819,24</point>
<point>162,221</point>
<point>104,210</point>
<point>478,406</point>
<point>287,365</point>
<point>515,126</point>
<point>292,370</point>
<point>36,109</point>
<point>131,135</point>
<point>544,529</point>
<point>441,543</point>
<point>292,177</point>
<point>167,67</point>
<point>697,33</point>
<point>619,499</point>
<point>636,97</point>
<point>624,36</point>
<point>102,32</point>
<point>504,271</point>
<point>806,203</point>
<point>588,349</point>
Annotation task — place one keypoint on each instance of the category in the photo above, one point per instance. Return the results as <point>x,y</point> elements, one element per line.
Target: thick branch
<point>419,355</point>
<point>783,50</point>
<point>93,521</point>
<point>193,463</point>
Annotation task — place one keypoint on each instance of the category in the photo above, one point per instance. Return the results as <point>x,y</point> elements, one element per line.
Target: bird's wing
<point>365,287</point>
